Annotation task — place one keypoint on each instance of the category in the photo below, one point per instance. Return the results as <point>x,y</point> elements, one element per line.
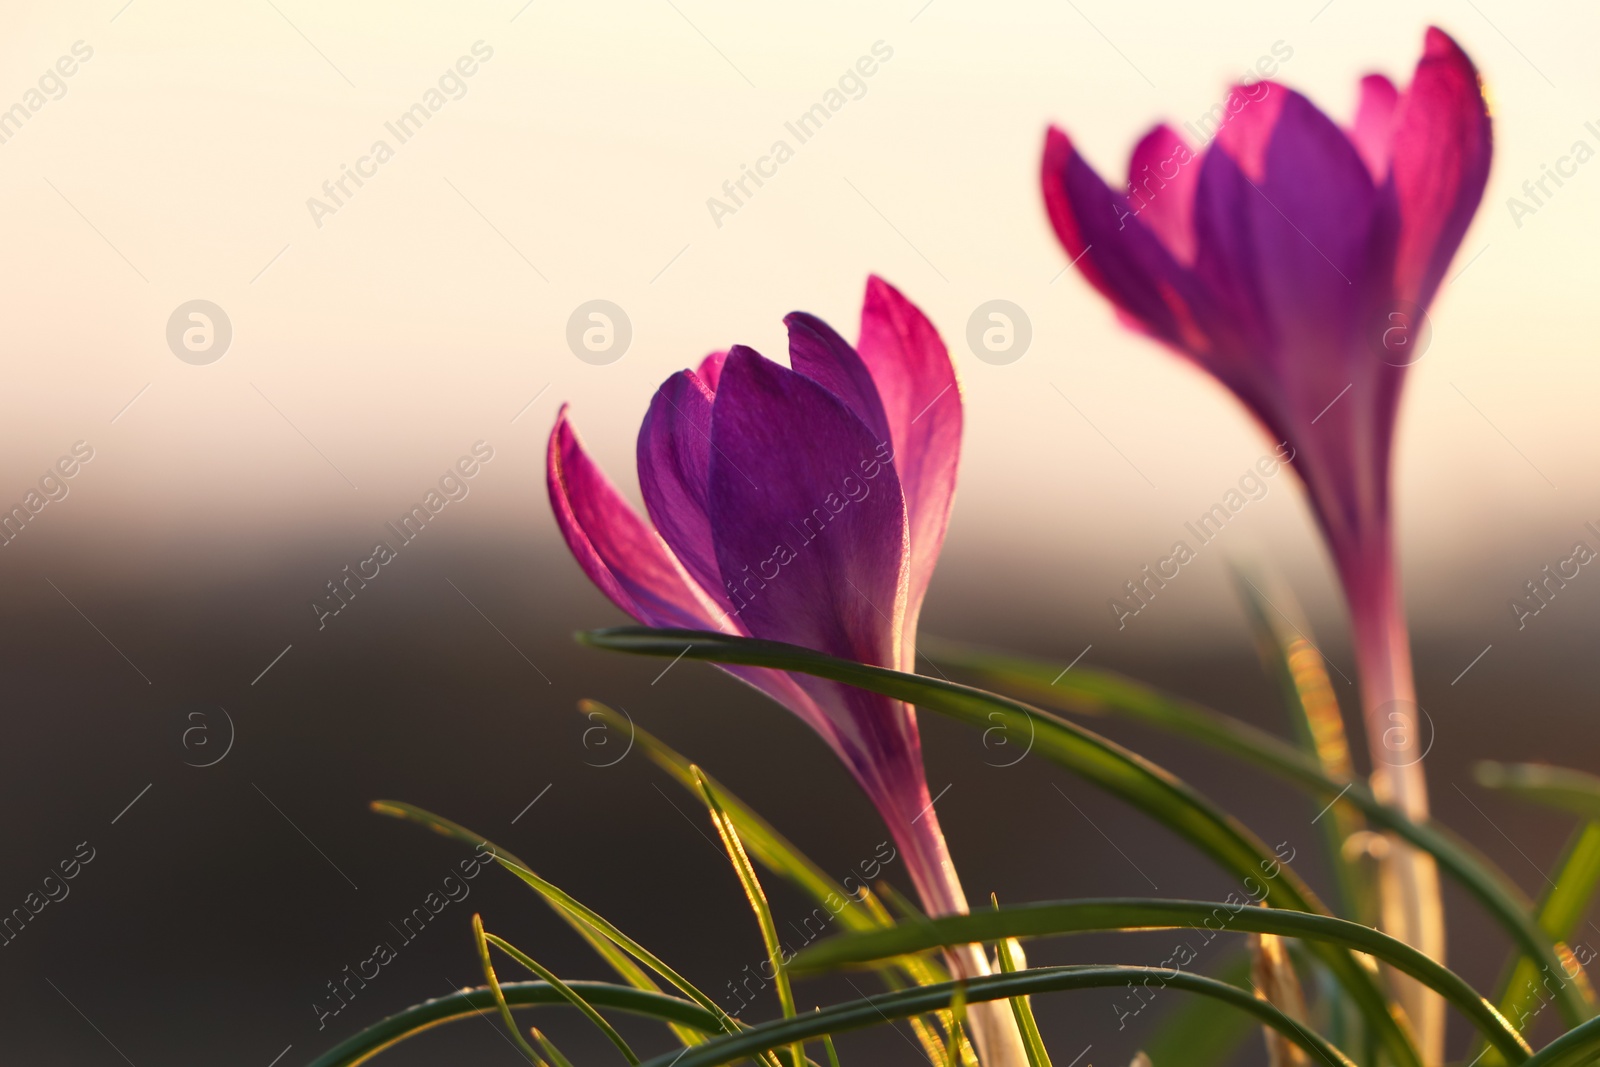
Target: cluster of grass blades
<point>1352,1021</point>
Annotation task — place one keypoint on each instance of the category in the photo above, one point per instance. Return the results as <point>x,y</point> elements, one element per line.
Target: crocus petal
<point>916,381</point>
<point>1252,113</point>
<point>1439,163</point>
<point>710,370</point>
<point>674,454</point>
<point>615,548</point>
<point>1162,176</point>
<point>1294,245</point>
<point>817,351</point>
<point>1116,252</point>
<point>1374,126</point>
<point>809,564</point>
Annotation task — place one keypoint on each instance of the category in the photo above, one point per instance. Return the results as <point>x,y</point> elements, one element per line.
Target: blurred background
<point>175,705</point>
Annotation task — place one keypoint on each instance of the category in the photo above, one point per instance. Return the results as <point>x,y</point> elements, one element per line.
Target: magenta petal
<point>1252,116</point>
<point>817,351</point>
<point>618,552</point>
<point>1295,247</point>
<point>922,399</point>
<point>674,454</point>
<point>1374,126</point>
<point>1117,253</point>
<point>1439,163</point>
<point>810,523</point>
<point>710,370</point>
<point>1162,176</point>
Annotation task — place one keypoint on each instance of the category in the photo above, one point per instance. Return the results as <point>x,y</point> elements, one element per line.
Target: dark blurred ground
<point>220,904</point>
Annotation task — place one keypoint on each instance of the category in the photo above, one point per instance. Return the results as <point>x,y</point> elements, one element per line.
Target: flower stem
<point>1399,734</point>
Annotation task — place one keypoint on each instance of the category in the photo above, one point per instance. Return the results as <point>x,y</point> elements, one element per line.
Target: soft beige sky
<point>426,312</point>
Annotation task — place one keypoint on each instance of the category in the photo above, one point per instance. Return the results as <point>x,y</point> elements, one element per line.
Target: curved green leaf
<point>620,961</point>
<point>859,910</point>
<point>858,1014</point>
<point>1575,1048</point>
<point>572,996</point>
<point>1081,916</point>
<point>1125,774</point>
<point>470,1003</point>
<point>1089,692</point>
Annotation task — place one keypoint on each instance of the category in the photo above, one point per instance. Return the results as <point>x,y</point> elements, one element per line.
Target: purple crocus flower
<point>1294,261</point>
<point>804,504</point>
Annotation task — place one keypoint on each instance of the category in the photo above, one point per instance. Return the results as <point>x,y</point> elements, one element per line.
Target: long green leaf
<point>1089,692</point>
<point>1575,1048</point>
<point>481,940</point>
<point>871,1011</point>
<point>1123,773</point>
<point>1565,902</point>
<point>1195,1034</point>
<point>1009,953</point>
<point>1082,916</point>
<point>1300,671</point>
<point>764,842</point>
<point>569,905</point>
<point>1577,792</point>
<point>621,962</point>
<point>855,911</point>
<point>754,894</point>
<point>470,1003</point>
<point>565,989</point>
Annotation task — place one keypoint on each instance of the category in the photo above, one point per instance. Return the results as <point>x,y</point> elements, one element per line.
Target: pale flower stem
<point>1398,735</point>
<point>992,1023</point>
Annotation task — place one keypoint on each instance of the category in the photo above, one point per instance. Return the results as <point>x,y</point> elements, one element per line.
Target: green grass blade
<point>1195,1034</point>
<point>1572,883</point>
<point>1125,774</point>
<point>859,1014</point>
<point>1102,693</point>
<point>621,962</point>
<point>567,904</point>
<point>1297,666</point>
<point>761,839</point>
<point>1081,916</point>
<point>481,941</point>
<point>855,911</point>
<point>833,1056</point>
<point>1009,953</point>
<point>573,996</point>
<point>1577,1047</point>
<point>472,1003</point>
<point>1564,904</point>
<point>753,893</point>
<point>1577,792</point>
<point>550,1050</point>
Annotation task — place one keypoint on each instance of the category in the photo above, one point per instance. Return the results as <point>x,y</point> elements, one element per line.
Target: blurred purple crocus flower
<point>804,504</point>
<point>1294,261</point>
